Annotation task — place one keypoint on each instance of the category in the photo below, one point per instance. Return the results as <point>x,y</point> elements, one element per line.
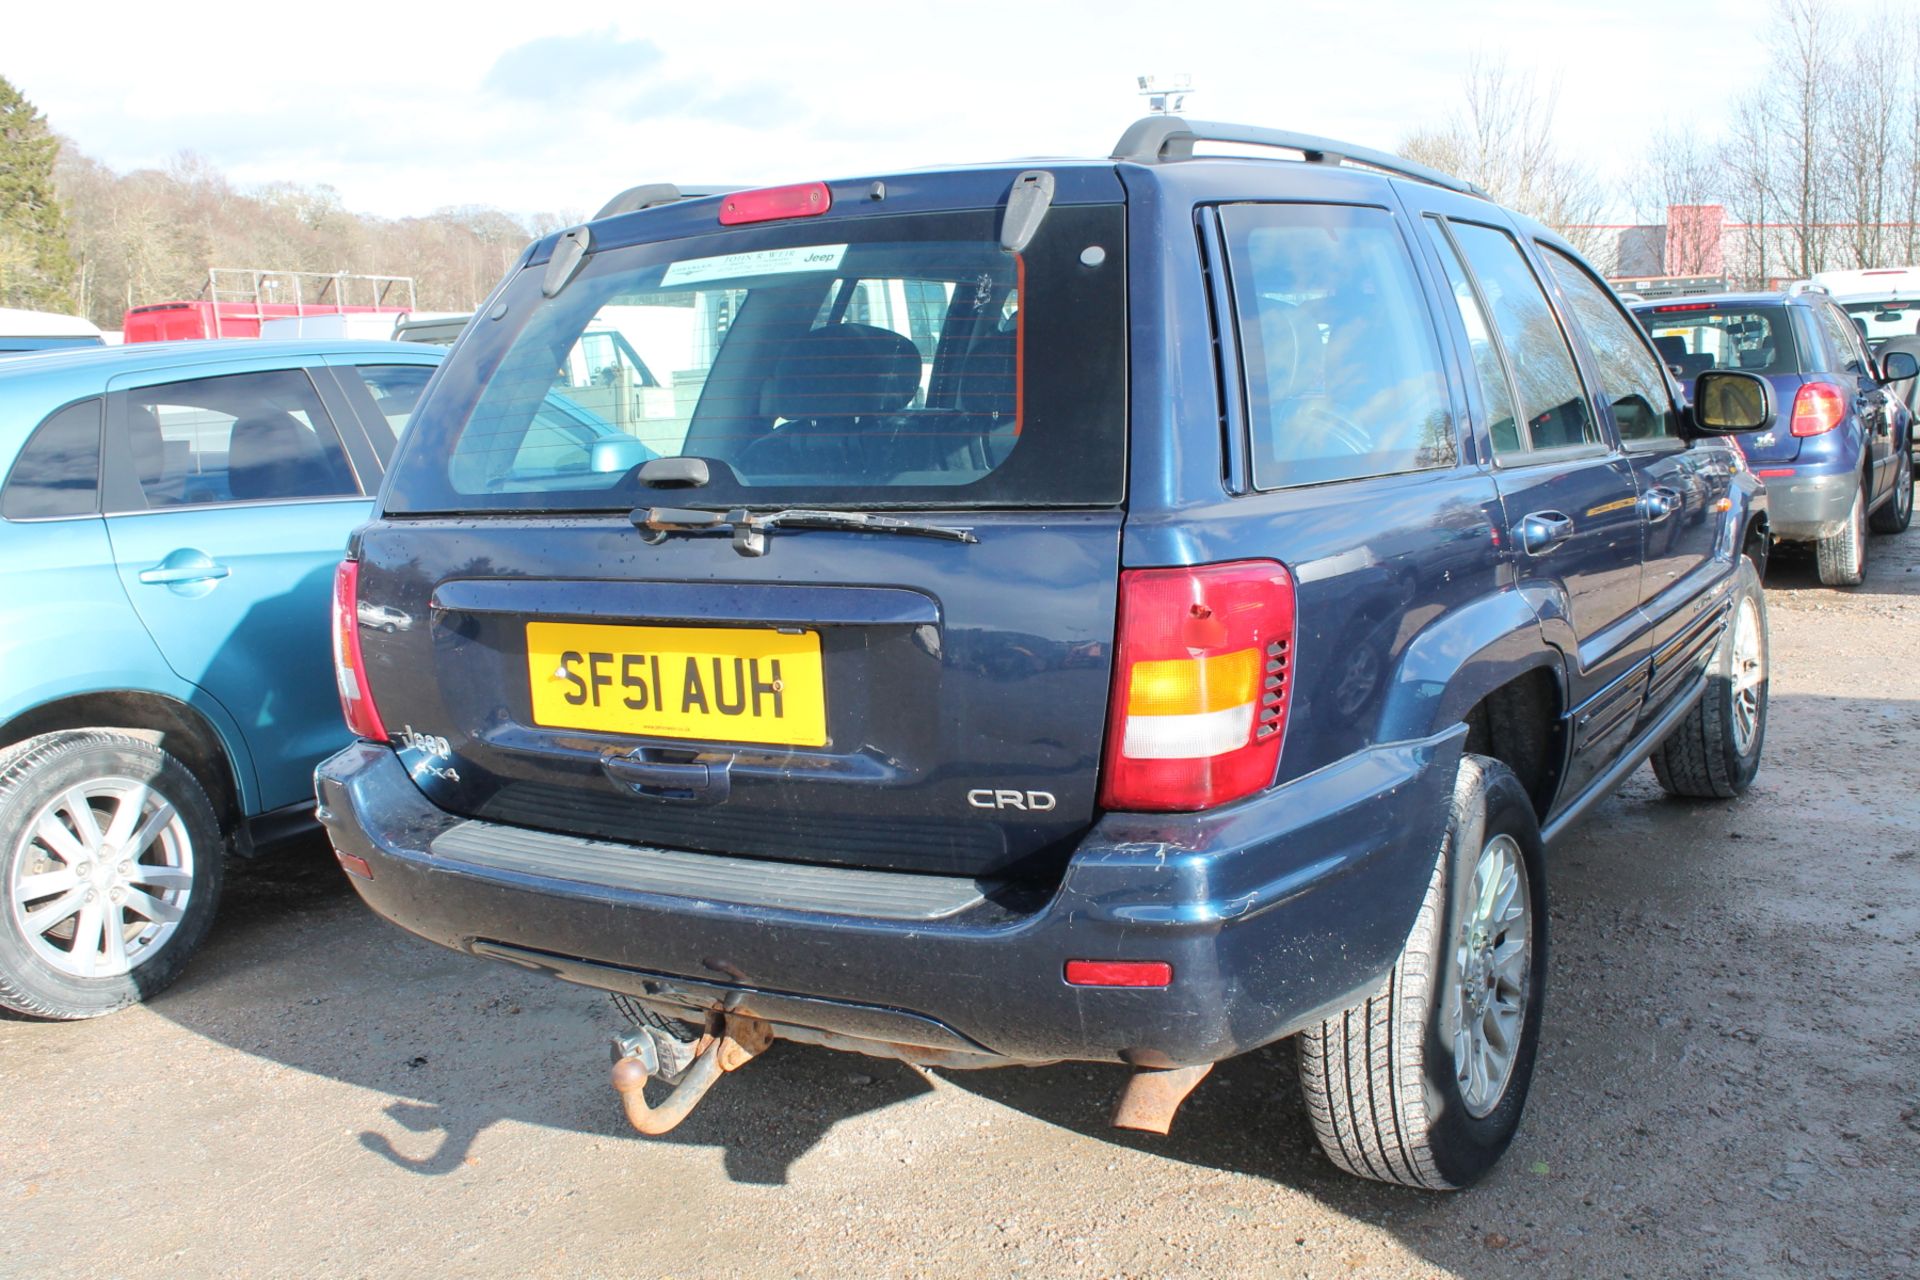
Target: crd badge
<point>1025,801</point>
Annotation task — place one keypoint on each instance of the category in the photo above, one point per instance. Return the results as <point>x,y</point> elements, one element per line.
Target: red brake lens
<point>1119,973</point>
<point>349,670</point>
<point>1201,685</point>
<point>1818,408</point>
<point>804,200</point>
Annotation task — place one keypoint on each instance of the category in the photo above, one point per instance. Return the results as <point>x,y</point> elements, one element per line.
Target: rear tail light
<point>349,669</point>
<point>1201,683</point>
<point>770,204</point>
<point>1818,408</point>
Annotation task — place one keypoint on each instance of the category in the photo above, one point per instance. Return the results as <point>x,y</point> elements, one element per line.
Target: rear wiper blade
<point>749,528</point>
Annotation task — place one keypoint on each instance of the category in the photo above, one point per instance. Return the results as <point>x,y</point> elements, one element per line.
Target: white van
<point>1886,300</point>
<point>25,331</point>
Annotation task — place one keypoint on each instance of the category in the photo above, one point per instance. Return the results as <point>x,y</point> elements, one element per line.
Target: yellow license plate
<point>712,683</point>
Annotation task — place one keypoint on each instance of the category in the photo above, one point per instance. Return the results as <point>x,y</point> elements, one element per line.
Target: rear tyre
<point>1896,513</point>
<point>1715,751</point>
<point>1843,557</point>
<point>110,871</point>
<point>1423,1082</point>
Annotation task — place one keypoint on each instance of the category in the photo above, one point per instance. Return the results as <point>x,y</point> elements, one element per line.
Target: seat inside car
<point>274,455</point>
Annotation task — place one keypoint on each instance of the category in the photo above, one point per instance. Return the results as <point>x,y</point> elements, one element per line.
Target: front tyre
<point>1896,513</point>
<point>110,870</point>
<point>1423,1082</point>
<point>1714,752</point>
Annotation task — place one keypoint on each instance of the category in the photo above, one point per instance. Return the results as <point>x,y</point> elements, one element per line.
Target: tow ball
<point>731,1041</point>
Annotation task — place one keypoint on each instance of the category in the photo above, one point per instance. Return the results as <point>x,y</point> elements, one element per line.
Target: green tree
<point>36,269</point>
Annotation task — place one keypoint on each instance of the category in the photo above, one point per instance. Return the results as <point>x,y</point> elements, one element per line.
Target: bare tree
<point>1683,183</point>
<point>1867,137</point>
<point>1802,106</point>
<point>1503,140</point>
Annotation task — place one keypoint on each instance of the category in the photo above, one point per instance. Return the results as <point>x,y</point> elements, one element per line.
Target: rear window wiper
<point>749,528</point>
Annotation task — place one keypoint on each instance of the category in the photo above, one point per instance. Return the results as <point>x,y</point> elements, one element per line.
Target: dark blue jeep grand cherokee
<point>1127,610</point>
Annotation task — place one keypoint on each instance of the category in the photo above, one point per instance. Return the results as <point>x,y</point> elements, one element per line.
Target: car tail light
<point>1119,973</point>
<point>349,669</point>
<point>770,204</point>
<point>1818,408</point>
<point>1201,682</point>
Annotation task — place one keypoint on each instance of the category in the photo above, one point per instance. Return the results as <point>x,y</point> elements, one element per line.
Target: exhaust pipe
<point>731,1042</point>
<point>1151,1097</point>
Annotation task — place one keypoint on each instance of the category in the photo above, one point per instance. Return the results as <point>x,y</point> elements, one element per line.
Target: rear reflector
<point>1201,685</point>
<point>770,204</point>
<point>1119,973</point>
<point>349,669</point>
<point>354,865</point>
<point>1818,408</point>
<point>1774,473</point>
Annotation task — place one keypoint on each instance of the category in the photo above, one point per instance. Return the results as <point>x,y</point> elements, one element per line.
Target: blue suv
<point>1842,465</point>
<point>172,517</point>
<point>1126,610</point>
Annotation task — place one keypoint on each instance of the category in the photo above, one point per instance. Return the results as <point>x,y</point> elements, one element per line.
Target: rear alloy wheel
<point>1843,557</point>
<point>1714,752</point>
<point>1896,513</point>
<point>110,866</point>
<point>1423,1082</point>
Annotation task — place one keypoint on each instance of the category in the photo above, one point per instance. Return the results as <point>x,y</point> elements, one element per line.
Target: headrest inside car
<point>843,370</point>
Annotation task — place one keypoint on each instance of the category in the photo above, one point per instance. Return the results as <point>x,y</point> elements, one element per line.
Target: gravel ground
<point>1728,1085</point>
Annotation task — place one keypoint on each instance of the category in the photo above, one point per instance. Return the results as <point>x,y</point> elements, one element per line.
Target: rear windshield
<point>1693,338</point>
<point>1883,320</point>
<point>881,361</point>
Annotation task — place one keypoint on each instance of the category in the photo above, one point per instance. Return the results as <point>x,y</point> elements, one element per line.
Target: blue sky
<point>407,108</point>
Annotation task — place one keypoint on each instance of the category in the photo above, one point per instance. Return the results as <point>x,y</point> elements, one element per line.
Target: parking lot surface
<point>1729,1083</point>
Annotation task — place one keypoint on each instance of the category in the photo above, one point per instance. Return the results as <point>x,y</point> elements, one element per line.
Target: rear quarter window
<point>58,472</point>
<point>1340,356</point>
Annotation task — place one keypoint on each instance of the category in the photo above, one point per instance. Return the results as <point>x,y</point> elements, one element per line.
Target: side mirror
<point>1898,366</point>
<point>1727,402</point>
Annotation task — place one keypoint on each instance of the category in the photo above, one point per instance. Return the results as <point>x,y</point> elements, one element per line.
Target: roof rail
<point>1807,286</point>
<point>649,195</point>
<point>1157,139</point>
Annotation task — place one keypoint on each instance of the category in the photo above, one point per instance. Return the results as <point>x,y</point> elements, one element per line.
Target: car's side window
<point>58,472</point>
<point>1553,403</point>
<point>243,437</point>
<point>1630,373</point>
<point>395,390</point>
<point>1340,355</point>
<point>1494,386</point>
<point>1843,338</point>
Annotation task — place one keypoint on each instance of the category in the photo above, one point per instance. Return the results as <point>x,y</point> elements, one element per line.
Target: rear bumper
<point>1811,503</point>
<point>1271,912</point>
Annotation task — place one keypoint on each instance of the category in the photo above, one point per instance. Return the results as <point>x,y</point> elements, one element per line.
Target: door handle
<point>1658,503</point>
<point>177,569</point>
<point>1542,531</point>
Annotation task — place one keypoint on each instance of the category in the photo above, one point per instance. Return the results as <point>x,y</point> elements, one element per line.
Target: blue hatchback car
<point>172,517</point>
<point>1838,465</point>
<point>1126,610</point>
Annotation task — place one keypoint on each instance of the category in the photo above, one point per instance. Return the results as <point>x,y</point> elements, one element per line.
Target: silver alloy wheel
<point>1749,672</point>
<point>1903,489</point>
<point>1492,970</point>
<point>101,877</point>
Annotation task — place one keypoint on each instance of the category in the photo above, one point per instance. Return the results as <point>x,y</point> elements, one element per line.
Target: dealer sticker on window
<point>763,262</point>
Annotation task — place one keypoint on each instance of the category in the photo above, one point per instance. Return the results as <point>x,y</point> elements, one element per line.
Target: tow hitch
<point>730,1043</point>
